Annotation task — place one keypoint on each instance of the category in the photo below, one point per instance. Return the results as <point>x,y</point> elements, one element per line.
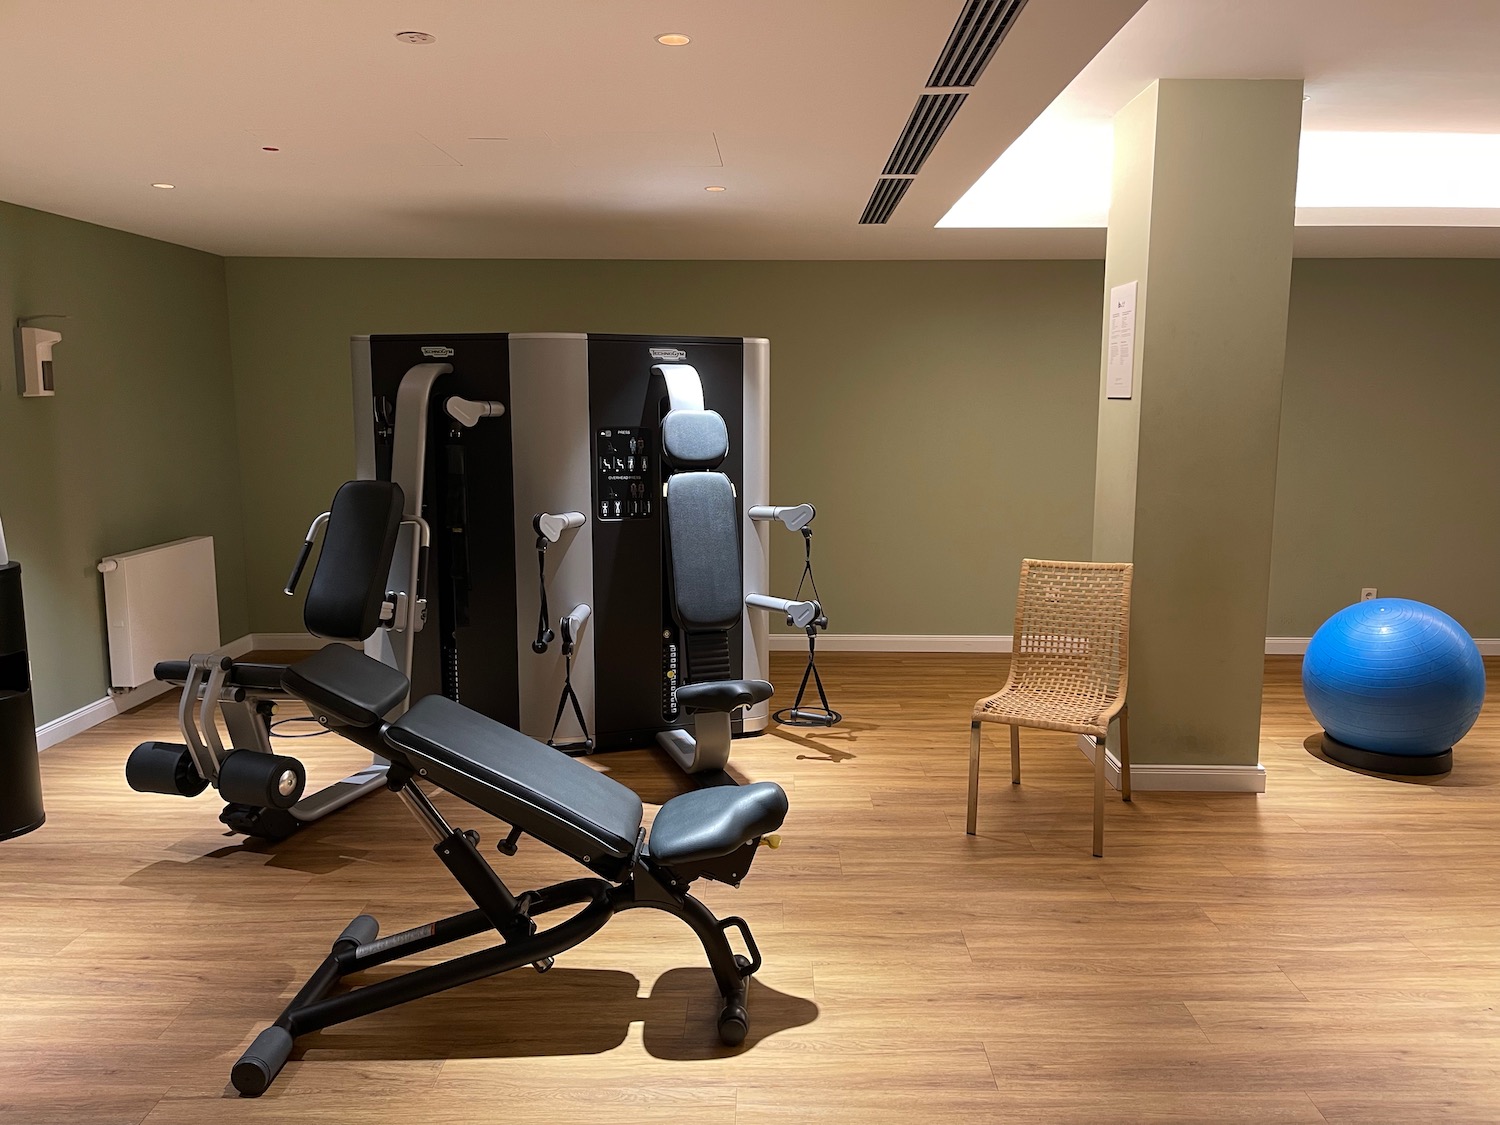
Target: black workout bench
<point>706,834</point>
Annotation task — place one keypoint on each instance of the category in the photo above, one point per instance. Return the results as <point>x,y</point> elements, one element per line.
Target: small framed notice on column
<point>1119,371</point>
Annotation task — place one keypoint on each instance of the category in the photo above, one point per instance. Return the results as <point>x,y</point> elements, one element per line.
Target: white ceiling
<point>609,138</point>
<point>1370,67</point>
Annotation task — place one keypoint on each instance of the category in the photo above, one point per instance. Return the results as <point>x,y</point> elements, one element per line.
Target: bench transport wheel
<point>734,1023</point>
<point>259,1066</point>
<point>249,777</point>
<point>734,1017</point>
<point>163,767</point>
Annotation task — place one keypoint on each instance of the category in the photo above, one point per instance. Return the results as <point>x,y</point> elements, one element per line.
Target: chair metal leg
<point>1015,755</point>
<point>1099,759</point>
<point>1124,754</point>
<point>973,776</point>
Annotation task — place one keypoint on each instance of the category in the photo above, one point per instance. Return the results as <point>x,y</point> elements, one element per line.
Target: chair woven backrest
<point>1072,633</point>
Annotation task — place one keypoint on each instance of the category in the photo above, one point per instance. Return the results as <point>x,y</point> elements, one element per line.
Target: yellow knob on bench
<point>771,841</point>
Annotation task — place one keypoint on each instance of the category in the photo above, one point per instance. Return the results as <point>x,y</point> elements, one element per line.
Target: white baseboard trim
<point>891,642</point>
<point>92,714</point>
<point>1147,777</point>
<point>940,642</point>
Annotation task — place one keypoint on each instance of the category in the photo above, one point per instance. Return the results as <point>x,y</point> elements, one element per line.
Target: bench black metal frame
<point>359,946</point>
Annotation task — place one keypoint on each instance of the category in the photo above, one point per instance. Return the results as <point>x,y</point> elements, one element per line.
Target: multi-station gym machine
<point>536,461</point>
<point>530,579</point>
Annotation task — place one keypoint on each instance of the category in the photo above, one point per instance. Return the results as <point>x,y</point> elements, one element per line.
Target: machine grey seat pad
<point>708,823</point>
<point>346,685</point>
<point>252,677</point>
<point>723,695</point>
<point>548,795</point>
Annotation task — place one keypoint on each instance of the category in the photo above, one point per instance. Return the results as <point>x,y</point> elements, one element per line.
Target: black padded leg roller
<point>163,767</point>
<point>248,777</point>
<point>259,1066</point>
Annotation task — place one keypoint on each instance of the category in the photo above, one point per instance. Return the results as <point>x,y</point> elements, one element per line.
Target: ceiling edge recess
<point>975,38</point>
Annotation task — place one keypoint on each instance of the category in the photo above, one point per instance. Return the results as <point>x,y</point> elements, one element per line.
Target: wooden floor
<point>1328,951</point>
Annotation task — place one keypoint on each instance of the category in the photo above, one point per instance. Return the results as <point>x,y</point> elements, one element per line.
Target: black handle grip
<point>291,583</point>
<point>421,591</point>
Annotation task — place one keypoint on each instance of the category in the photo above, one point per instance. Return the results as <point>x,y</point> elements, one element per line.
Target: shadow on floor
<point>561,1012</point>
<point>824,740</point>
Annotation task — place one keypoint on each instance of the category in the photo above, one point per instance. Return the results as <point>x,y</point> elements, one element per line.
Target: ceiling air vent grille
<point>923,130</point>
<point>975,38</point>
<point>973,42</point>
<point>883,200</point>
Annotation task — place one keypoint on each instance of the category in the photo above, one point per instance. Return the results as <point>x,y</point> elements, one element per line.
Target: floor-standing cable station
<point>536,459</point>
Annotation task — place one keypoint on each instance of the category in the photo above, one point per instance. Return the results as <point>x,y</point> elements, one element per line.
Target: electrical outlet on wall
<point>1368,594</point>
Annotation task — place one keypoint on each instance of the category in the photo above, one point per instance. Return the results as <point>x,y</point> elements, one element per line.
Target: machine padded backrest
<point>348,584</point>
<point>694,439</point>
<point>703,545</point>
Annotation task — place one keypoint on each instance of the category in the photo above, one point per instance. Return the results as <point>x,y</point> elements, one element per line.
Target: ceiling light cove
<point>415,37</point>
<point>715,187</point>
<point>1057,174</point>
<point>673,39</point>
<point>164,187</point>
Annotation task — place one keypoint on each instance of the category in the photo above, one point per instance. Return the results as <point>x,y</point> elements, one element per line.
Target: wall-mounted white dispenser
<point>34,364</point>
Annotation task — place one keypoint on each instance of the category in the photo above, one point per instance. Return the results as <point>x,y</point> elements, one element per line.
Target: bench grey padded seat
<point>708,823</point>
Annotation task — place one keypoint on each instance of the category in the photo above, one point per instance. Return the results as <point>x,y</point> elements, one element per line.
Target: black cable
<point>569,696</point>
<point>297,719</point>
<point>797,715</point>
<point>544,634</point>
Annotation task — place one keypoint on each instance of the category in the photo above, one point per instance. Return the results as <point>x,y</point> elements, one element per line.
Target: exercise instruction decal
<point>1119,370</point>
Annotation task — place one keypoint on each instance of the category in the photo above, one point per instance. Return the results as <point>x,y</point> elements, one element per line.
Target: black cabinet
<point>20,772</point>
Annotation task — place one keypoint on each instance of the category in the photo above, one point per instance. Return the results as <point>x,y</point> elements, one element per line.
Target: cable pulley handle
<point>304,554</point>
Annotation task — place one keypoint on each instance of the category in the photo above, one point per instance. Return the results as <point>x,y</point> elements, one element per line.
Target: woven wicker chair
<point>1068,669</point>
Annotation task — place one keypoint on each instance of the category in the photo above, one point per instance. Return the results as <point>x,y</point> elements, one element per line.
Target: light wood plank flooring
<point>1329,951</point>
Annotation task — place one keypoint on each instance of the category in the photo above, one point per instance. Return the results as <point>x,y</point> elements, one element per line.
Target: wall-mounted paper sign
<point>1119,372</point>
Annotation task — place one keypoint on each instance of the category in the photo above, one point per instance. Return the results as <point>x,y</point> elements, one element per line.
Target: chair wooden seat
<point>1045,709</point>
<point>1068,670</point>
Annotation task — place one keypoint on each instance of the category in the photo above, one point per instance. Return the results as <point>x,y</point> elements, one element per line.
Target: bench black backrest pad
<point>544,793</point>
<point>349,582</point>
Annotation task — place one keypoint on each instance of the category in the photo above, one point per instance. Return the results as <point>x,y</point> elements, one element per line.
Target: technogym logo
<point>437,353</point>
<point>675,355</point>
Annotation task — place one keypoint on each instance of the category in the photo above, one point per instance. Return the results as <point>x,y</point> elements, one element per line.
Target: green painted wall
<point>939,414</point>
<point>1390,441</point>
<point>942,414</point>
<point>137,447</point>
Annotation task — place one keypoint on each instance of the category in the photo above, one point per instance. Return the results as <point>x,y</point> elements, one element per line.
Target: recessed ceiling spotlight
<point>715,187</point>
<point>415,37</point>
<point>673,39</point>
<point>164,187</point>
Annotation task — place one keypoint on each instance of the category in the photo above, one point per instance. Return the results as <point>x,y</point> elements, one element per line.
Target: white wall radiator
<point>161,603</point>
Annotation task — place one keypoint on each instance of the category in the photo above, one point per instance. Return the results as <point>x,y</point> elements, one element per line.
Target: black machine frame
<point>645,884</point>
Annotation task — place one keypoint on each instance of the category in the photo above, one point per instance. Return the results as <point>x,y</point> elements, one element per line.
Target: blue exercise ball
<point>1394,676</point>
